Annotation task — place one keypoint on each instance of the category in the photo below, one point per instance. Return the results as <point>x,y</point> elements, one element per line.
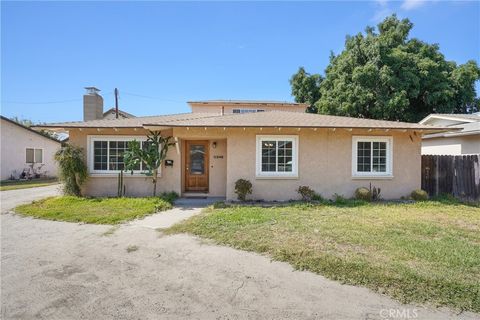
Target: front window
<point>106,154</point>
<point>277,156</point>
<point>372,156</point>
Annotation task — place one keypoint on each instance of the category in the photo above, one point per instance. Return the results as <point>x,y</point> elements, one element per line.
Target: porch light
<point>214,144</point>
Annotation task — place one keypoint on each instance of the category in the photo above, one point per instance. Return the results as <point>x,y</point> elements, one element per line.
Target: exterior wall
<point>325,164</point>
<point>14,141</point>
<point>136,185</point>
<point>451,146</point>
<point>229,109</point>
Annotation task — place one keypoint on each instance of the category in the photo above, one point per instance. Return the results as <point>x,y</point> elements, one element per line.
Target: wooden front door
<point>196,165</point>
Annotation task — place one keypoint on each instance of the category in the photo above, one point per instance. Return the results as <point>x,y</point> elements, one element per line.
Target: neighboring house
<point>463,138</point>
<point>24,149</point>
<point>278,151</point>
<point>110,114</point>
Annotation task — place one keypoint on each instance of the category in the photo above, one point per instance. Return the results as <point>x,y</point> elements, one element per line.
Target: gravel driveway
<point>57,270</point>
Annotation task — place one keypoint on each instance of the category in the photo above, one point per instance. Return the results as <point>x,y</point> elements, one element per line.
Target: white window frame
<point>90,154</point>
<point>389,154</point>
<point>34,162</point>
<point>244,110</point>
<point>258,160</point>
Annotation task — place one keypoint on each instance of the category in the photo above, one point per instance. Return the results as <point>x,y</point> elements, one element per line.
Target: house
<point>111,114</point>
<point>275,145</point>
<point>462,138</point>
<point>26,150</point>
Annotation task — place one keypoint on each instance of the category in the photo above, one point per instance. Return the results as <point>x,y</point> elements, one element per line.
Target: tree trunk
<point>155,182</point>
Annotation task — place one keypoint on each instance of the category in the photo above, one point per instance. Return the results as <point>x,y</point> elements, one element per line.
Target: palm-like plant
<point>151,155</point>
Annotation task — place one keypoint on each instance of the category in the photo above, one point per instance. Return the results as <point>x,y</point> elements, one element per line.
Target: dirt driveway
<point>56,270</point>
<point>12,198</point>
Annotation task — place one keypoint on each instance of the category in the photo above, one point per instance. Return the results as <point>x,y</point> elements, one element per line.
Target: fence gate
<point>456,175</point>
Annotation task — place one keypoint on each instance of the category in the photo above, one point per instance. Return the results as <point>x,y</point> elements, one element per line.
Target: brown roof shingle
<point>259,119</point>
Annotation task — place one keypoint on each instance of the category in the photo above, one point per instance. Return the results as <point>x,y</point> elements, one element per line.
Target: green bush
<point>363,193</point>
<point>170,197</point>
<point>220,205</point>
<point>306,193</point>
<point>243,188</point>
<point>419,195</point>
<point>317,197</point>
<point>339,199</point>
<point>72,169</point>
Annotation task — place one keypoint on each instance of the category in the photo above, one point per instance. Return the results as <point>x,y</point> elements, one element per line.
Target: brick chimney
<point>92,104</point>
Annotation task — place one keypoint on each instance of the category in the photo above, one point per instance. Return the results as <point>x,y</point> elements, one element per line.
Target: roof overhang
<point>444,117</point>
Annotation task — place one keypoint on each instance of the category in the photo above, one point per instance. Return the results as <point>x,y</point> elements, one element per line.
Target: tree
<point>151,155</point>
<point>306,88</point>
<point>73,170</point>
<point>28,123</point>
<point>385,75</point>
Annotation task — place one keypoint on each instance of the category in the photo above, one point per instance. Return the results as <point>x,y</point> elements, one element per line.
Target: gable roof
<point>29,129</point>
<point>461,117</point>
<point>120,113</point>
<point>261,119</point>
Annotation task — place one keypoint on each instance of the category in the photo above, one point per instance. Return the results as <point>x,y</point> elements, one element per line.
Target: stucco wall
<point>325,163</point>
<point>136,185</point>
<point>14,141</point>
<point>451,146</point>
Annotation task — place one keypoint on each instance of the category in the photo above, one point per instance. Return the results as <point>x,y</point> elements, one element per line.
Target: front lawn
<point>423,252</point>
<point>93,210</point>
<point>24,184</point>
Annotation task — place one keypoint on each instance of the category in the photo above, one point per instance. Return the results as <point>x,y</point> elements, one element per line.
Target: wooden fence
<point>456,175</point>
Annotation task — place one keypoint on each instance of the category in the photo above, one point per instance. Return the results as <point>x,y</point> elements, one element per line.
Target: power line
<point>149,97</point>
<point>48,102</point>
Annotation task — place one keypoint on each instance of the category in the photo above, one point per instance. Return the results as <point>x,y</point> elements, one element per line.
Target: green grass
<point>426,252</point>
<point>14,184</point>
<point>93,210</point>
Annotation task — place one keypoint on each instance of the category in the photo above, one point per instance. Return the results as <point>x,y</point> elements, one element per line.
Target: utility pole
<point>116,103</point>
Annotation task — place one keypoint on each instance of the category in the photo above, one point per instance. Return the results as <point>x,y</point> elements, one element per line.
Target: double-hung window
<point>372,156</point>
<point>277,156</point>
<point>106,153</point>
<point>33,155</point>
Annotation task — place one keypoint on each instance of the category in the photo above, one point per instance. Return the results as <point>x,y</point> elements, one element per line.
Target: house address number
<point>217,157</point>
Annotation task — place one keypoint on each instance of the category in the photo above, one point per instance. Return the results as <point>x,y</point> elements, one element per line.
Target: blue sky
<point>162,54</point>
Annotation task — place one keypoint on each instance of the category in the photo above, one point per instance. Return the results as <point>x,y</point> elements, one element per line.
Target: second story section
<point>244,106</point>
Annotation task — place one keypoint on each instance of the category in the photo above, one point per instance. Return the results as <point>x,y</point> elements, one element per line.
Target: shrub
<point>243,188</point>
<point>306,193</point>
<point>419,195</point>
<point>363,193</point>
<point>317,197</point>
<point>220,205</point>
<point>339,199</point>
<point>170,197</point>
<point>72,169</point>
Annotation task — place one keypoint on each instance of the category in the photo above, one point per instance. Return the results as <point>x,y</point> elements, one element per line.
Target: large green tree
<point>384,74</point>
<point>306,88</point>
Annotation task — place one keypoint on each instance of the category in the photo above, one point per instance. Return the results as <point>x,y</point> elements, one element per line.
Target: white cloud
<point>382,10</point>
<point>412,4</point>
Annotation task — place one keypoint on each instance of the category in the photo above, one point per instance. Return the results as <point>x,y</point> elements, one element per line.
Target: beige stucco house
<point>24,149</point>
<point>462,138</point>
<point>275,145</point>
